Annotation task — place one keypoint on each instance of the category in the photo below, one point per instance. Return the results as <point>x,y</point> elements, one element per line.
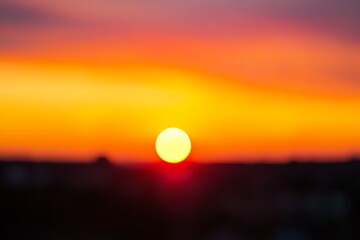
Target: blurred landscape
<point>268,92</point>
<point>99,200</point>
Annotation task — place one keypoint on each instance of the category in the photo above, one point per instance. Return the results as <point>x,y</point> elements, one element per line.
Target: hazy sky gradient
<point>251,78</point>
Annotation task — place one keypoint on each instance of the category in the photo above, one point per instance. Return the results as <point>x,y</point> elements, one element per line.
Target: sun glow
<point>173,145</point>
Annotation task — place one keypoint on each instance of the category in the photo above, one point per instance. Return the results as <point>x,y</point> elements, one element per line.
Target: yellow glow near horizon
<point>173,145</point>
<point>74,111</point>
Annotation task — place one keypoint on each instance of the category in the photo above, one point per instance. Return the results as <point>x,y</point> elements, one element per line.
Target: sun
<point>173,145</point>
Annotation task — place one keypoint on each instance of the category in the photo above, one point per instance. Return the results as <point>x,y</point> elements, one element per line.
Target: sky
<point>248,80</point>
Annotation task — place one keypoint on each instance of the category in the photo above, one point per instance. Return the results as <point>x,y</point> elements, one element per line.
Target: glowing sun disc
<point>173,145</point>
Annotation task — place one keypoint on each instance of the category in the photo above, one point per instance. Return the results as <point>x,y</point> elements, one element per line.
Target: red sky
<point>245,79</point>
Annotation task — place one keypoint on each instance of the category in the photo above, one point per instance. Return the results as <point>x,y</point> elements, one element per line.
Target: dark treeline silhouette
<point>100,200</point>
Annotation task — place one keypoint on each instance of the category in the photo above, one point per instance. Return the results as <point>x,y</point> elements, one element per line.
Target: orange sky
<point>245,82</point>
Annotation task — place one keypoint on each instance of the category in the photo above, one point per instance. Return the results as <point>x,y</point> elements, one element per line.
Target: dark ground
<point>294,201</point>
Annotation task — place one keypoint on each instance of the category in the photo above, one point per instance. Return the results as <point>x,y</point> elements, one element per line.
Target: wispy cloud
<point>17,14</point>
